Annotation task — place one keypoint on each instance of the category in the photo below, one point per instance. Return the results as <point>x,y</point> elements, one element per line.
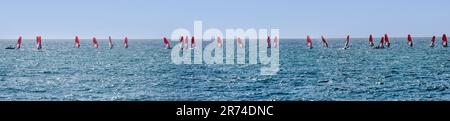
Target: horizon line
<point>209,39</point>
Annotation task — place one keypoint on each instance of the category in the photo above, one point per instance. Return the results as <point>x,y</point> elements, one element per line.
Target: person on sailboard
<point>309,42</point>
<point>110,43</point>
<point>166,43</point>
<point>39,42</point>
<point>324,41</point>
<point>381,45</point>
<point>371,41</point>
<point>410,41</point>
<point>432,41</point>
<point>125,42</point>
<point>386,39</point>
<point>347,42</point>
<point>192,42</point>
<point>77,42</point>
<point>444,40</point>
<point>19,42</point>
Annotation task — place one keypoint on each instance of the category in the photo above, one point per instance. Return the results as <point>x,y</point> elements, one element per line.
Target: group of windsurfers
<point>384,42</point>
<point>77,42</point>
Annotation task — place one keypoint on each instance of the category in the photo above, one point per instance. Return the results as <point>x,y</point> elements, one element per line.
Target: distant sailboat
<point>94,42</point>
<point>386,38</point>
<point>371,41</point>
<point>166,43</point>
<point>192,41</point>
<point>324,41</point>
<point>219,41</point>
<point>110,43</point>
<point>347,42</point>
<point>268,41</point>
<point>444,40</point>
<point>77,42</point>
<point>275,41</point>
<point>239,41</point>
<point>182,42</point>
<point>381,45</point>
<point>309,42</point>
<point>410,41</point>
<point>433,39</point>
<point>39,42</point>
<point>125,42</point>
<point>19,42</point>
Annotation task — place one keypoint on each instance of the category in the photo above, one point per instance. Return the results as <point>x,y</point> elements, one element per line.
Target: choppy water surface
<point>145,71</point>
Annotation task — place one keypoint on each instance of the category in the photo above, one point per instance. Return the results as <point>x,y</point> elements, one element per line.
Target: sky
<point>146,19</point>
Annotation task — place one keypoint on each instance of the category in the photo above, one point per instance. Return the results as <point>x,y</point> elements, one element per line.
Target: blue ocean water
<point>145,71</point>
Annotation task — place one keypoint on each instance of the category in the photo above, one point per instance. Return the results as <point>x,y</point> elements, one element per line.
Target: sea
<point>145,72</point>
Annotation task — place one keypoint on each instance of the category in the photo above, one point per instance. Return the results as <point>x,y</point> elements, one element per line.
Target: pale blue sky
<point>156,18</point>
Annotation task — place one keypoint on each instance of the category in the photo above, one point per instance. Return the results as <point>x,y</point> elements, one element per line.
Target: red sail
<point>388,43</point>
<point>166,43</point>
<point>381,45</point>
<point>39,41</point>
<point>219,41</point>
<point>19,42</point>
<point>409,38</point>
<point>125,42</point>
<point>371,40</point>
<point>433,39</point>
<point>308,39</point>
<point>192,41</point>
<point>410,43</point>
<point>240,42</point>
<point>94,42</point>
<point>268,41</point>
<point>110,43</point>
<point>444,39</point>
<point>182,39</point>
<point>324,41</point>
<point>77,42</point>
